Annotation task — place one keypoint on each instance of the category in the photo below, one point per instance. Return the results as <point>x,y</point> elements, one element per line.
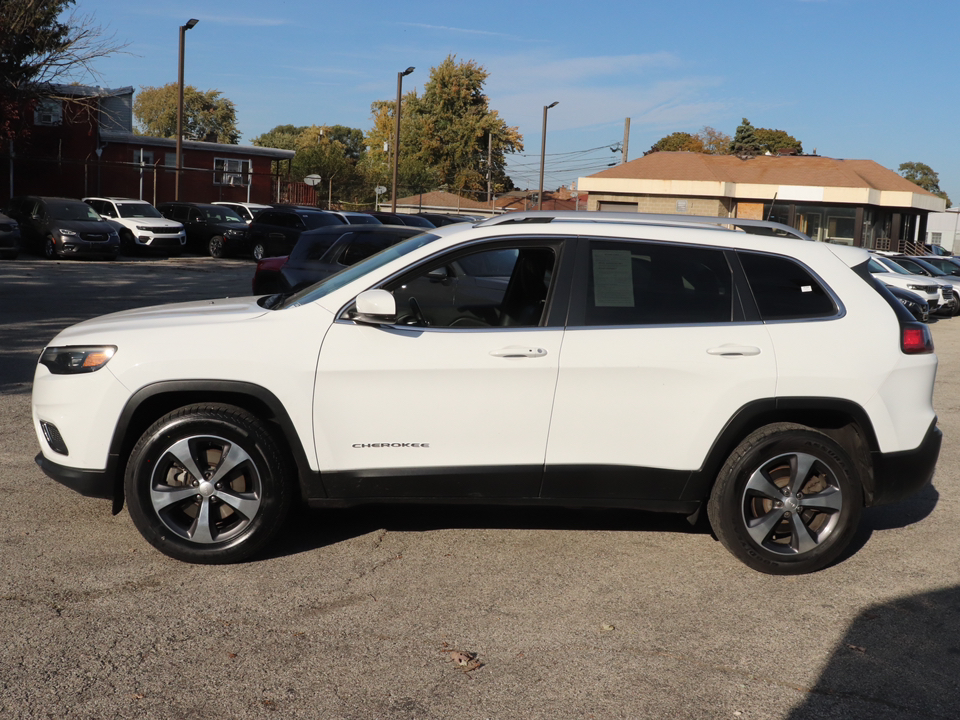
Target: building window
<point>146,156</point>
<point>170,161</point>
<point>228,171</point>
<point>48,112</point>
<point>935,238</point>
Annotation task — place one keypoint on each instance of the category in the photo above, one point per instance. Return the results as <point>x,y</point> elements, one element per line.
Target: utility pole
<point>489,166</point>
<point>626,140</point>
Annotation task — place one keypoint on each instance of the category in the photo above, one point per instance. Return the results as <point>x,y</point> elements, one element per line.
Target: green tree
<point>205,114</point>
<point>776,141</point>
<point>455,124</point>
<point>923,175</point>
<point>745,143</point>
<point>40,44</point>
<point>678,142</point>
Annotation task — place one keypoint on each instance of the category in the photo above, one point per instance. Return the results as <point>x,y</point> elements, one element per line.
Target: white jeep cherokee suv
<point>140,224</point>
<point>582,359</point>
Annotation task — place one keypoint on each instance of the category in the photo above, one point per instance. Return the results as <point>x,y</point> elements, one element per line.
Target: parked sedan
<point>211,229</point>
<point>9,238</point>
<point>323,252</point>
<point>63,227</point>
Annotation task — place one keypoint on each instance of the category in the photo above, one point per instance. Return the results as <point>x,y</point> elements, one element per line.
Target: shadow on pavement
<point>899,659</point>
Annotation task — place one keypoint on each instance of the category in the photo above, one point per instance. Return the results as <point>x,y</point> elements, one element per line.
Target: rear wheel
<point>216,246</point>
<point>787,501</point>
<point>259,252</point>
<point>206,484</point>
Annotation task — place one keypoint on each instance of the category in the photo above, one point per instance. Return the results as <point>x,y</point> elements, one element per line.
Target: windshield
<point>71,211</point>
<point>891,266</point>
<point>919,267</point>
<point>348,275</point>
<point>138,210</point>
<point>218,213</point>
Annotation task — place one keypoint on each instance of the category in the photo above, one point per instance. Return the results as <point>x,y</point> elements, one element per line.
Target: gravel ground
<point>355,613</point>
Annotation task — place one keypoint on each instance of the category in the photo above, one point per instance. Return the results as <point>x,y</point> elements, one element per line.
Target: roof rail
<point>753,227</point>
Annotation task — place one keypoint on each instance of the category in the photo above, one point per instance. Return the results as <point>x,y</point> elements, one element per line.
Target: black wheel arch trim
<point>811,411</point>
<point>177,393</point>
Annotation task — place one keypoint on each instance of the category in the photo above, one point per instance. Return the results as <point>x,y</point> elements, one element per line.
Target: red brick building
<point>81,142</point>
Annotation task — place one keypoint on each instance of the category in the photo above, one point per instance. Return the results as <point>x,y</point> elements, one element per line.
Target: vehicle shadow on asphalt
<point>899,659</point>
<point>891,517</point>
<point>314,529</point>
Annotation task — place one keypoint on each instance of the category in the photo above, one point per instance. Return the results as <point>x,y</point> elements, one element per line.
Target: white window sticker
<point>612,278</point>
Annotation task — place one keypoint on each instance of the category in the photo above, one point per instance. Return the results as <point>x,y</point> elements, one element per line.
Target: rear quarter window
<point>785,290</point>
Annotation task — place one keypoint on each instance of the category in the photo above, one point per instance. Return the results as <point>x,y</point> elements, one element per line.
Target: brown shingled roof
<point>762,170</point>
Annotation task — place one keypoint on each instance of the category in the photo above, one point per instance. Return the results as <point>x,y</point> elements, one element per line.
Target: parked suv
<point>565,359</point>
<point>63,227</point>
<point>140,225</point>
<point>211,229</point>
<point>276,230</point>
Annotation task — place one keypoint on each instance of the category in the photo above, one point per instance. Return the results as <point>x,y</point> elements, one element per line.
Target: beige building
<point>854,202</point>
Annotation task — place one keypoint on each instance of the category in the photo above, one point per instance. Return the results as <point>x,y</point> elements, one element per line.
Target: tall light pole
<point>396,138</point>
<point>543,153</point>
<point>183,31</point>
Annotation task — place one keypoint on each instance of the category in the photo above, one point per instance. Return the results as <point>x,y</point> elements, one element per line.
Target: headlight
<point>921,288</point>
<point>66,232</point>
<point>144,228</point>
<point>71,360</point>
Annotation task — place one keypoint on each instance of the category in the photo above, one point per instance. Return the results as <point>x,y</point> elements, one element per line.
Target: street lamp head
<point>552,104</point>
<point>407,71</point>
<point>190,23</point>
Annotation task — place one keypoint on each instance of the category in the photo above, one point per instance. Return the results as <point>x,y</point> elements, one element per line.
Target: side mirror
<point>438,274</point>
<point>376,307</point>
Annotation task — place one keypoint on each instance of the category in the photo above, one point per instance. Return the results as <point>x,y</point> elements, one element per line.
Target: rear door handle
<point>733,350</point>
<point>513,351</point>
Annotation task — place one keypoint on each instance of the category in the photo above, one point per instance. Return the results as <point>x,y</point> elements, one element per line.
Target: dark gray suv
<point>63,227</point>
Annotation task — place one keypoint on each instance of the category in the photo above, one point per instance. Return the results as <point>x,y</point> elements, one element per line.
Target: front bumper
<point>898,475</point>
<point>92,483</point>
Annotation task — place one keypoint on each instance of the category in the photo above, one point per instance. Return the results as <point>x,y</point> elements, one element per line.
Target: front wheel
<point>216,246</point>
<point>206,484</point>
<point>50,249</point>
<point>787,501</point>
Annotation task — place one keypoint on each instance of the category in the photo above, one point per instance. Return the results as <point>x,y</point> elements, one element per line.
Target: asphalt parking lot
<point>359,613</point>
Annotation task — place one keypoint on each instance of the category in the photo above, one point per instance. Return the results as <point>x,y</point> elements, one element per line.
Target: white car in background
<point>889,273</point>
<point>139,224</point>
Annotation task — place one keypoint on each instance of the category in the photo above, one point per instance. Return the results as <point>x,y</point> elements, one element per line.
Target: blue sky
<point>849,78</point>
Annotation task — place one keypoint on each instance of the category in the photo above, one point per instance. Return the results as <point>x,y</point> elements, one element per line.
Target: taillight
<point>915,339</point>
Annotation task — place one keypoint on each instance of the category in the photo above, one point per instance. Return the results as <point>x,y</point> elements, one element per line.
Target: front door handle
<point>514,351</point>
<point>733,350</point>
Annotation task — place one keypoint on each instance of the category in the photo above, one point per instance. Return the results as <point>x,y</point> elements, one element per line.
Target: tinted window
<point>367,244</point>
<point>136,210</point>
<point>314,248</point>
<point>785,290</point>
<point>315,220</point>
<point>652,284</point>
<point>215,213</point>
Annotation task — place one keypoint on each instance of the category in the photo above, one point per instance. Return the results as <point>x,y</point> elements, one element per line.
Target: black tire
<point>787,501</point>
<point>216,246</point>
<point>128,245</point>
<point>258,251</point>
<point>50,249</point>
<point>233,508</point>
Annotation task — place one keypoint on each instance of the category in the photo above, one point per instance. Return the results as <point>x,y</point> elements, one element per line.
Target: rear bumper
<point>899,475</point>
